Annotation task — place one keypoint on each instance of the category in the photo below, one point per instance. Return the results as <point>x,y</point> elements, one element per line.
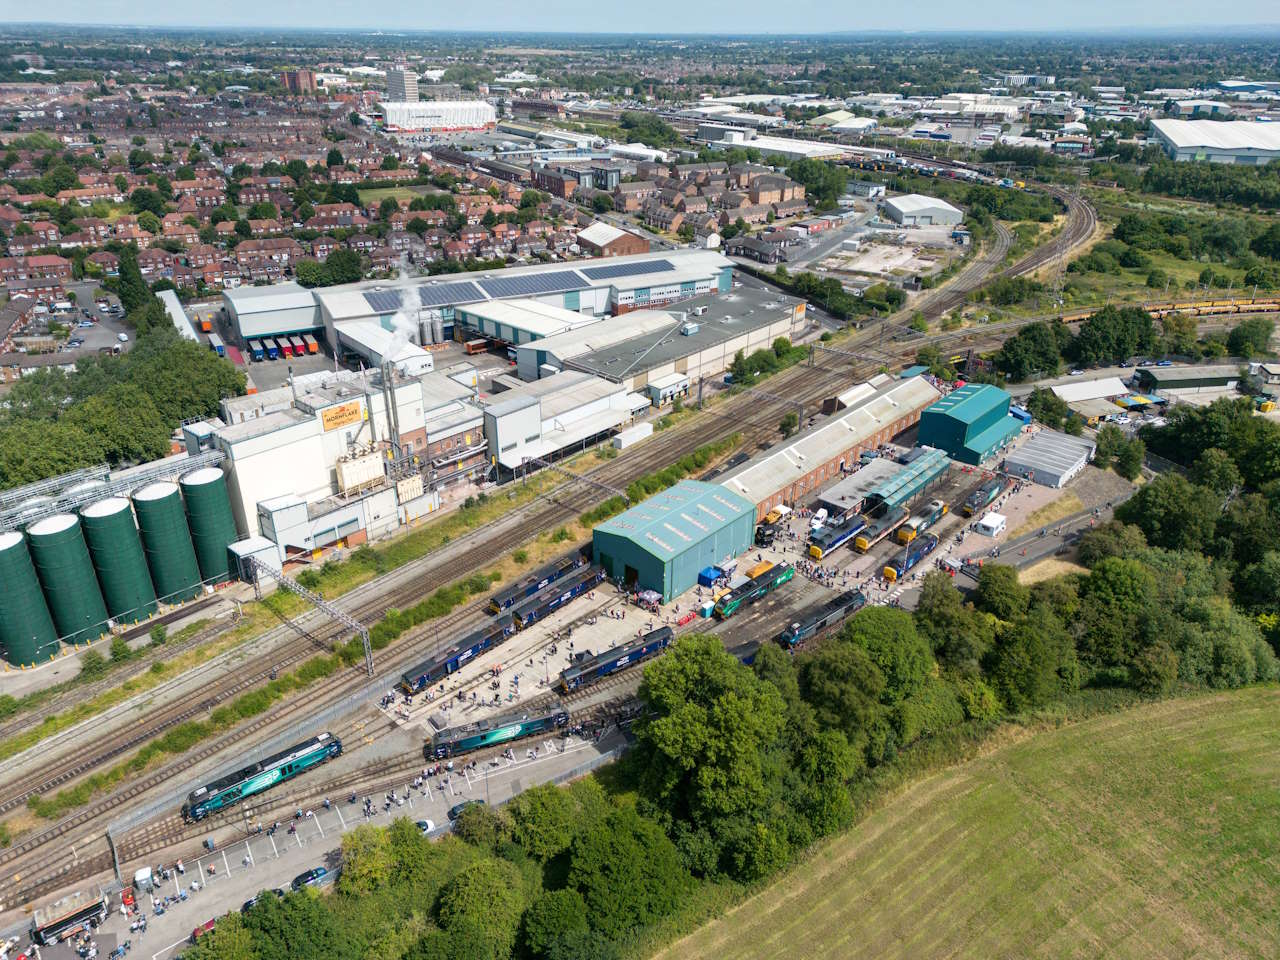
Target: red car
<point>204,928</point>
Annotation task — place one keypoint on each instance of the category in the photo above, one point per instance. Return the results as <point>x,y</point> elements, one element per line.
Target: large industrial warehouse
<point>917,210</point>
<point>277,310</point>
<point>1219,141</point>
<point>790,474</point>
<point>1050,458</point>
<point>698,340</point>
<point>438,115</point>
<point>970,424</point>
<point>663,543</point>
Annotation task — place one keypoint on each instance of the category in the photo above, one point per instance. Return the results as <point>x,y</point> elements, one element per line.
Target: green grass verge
<point>1150,832</point>
<point>251,704</point>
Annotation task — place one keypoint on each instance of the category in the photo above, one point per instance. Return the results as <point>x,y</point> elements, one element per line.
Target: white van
<point>818,519</point>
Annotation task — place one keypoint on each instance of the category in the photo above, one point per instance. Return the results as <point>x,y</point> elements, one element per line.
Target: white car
<point>122,337</point>
<point>818,519</point>
<point>1075,373</point>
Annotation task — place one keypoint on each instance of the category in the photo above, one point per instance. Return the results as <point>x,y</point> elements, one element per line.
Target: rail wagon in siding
<point>257,777</point>
<point>877,530</point>
<point>977,501</point>
<point>552,598</point>
<point>418,678</point>
<point>538,580</point>
<point>491,733</point>
<point>830,614</point>
<point>922,520</point>
<point>753,590</point>
<point>909,556</point>
<point>827,538</point>
<point>591,669</point>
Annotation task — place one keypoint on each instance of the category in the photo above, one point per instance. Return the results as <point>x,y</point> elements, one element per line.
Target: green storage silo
<point>167,542</point>
<point>66,573</point>
<point>213,528</point>
<point>117,555</point>
<point>27,634</point>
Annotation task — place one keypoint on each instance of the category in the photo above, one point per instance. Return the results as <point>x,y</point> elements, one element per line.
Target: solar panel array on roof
<point>627,269</point>
<point>532,284</point>
<point>383,301</point>
<point>439,295</point>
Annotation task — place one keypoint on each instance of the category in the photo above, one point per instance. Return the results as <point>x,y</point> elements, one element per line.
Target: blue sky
<point>660,16</point>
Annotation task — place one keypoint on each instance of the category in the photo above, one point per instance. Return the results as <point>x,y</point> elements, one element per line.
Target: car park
<point>456,811</point>
<point>426,826</point>
<point>309,878</point>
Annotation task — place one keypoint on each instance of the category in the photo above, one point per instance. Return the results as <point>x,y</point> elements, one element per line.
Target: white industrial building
<point>276,310</point>
<point>438,116</point>
<point>555,414</point>
<point>917,210</point>
<point>1219,141</point>
<point>1050,458</point>
<point>722,136</point>
<point>519,321</point>
<point>699,340</point>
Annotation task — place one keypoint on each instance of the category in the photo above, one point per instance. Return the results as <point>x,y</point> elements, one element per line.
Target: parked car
<point>248,904</point>
<point>1075,373</point>
<point>426,826</point>
<point>456,811</point>
<point>122,337</point>
<point>309,878</point>
<point>1165,363</point>
<point>83,324</point>
<point>204,928</point>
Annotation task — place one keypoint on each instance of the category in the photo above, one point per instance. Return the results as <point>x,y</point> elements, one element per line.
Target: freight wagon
<point>544,603</point>
<point>490,733</point>
<point>536,581</point>
<point>832,613</point>
<point>590,669</point>
<point>909,556</point>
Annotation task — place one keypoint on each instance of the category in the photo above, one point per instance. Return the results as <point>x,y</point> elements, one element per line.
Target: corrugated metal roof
<point>1050,451</point>
<point>670,522</point>
<point>1220,134</point>
<point>970,402</point>
<point>1083,390</point>
<point>902,486</point>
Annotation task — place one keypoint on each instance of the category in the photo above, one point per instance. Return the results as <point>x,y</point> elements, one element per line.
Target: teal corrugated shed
<point>662,543</point>
<point>904,486</point>
<point>970,423</point>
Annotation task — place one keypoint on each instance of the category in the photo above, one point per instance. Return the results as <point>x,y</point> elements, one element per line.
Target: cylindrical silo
<point>117,555</point>
<point>66,573</point>
<point>213,528</point>
<point>167,542</point>
<point>27,634</point>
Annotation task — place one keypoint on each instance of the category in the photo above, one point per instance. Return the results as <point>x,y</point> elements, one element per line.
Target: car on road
<point>309,878</point>
<point>1165,363</point>
<point>103,308</point>
<point>75,342</point>
<point>122,337</point>
<point>83,324</point>
<point>426,826</point>
<point>248,904</point>
<point>1076,373</point>
<point>456,811</point>
<point>1126,363</point>
<point>1144,362</point>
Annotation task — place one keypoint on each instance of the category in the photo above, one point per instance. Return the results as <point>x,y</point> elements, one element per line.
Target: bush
<point>120,650</point>
<point>520,556</point>
<point>93,665</point>
<point>159,634</point>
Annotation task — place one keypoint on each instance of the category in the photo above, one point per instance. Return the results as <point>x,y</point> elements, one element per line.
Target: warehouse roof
<point>918,202</point>
<point>969,402</point>
<point>1220,134</point>
<point>600,233</point>
<point>1050,451</point>
<point>1165,376</point>
<point>633,344</point>
<point>760,479</point>
<point>850,492</point>
<point>669,523</point>
<point>1099,389</point>
<point>539,319</point>
<point>278,296</point>
<point>906,483</point>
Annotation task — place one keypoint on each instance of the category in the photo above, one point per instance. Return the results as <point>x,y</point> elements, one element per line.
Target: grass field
<point>1154,832</point>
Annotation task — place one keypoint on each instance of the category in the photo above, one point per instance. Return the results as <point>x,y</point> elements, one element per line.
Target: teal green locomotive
<point>263,775</point>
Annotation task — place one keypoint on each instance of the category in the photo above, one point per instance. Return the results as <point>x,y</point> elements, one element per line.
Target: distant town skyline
<point>670,17</point>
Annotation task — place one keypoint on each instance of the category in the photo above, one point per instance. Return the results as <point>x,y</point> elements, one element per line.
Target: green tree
<point>890,639</point>
<point>1215,470</point>
<point>334,158</point>
<point>1172,512</point>
<point>1111,539</point>
<point>626,870</point>
<point>844,688</point>
<point>602,203</point>
<point>709,718</point>
<point>366,860</point>
<point>229,940</point>
<point>999,593</point>
<point>481,905</point>
<point>145,199</point>
<point>1033,660</point>
<point>959,634</point>
<point>132,289</point>
<point>789,424</point>
<point>1115,598</point>
<point>1047,407</point>
<point>344,266</point>
<point>542,821</point>
<point>1251,337</point>
<point>298,927</point>
<point>554,917</point>
<point>388,206</point>
<point>1130,459</point>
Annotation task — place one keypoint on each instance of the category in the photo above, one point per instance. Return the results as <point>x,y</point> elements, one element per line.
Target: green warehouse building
<point>661,544</point>
<point>970,424</point>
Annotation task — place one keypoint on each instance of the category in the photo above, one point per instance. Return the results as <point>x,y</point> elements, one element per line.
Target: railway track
<point>956,291</point>
<point>561,506</point>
